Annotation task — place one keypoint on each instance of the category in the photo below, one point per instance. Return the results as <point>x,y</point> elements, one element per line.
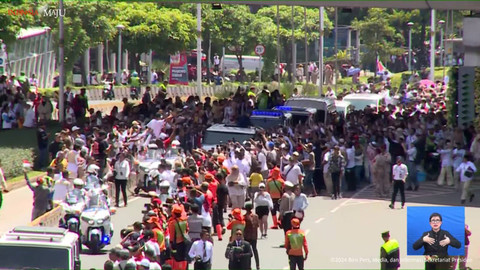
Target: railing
<point>172,91</point>
<point>49,219</point>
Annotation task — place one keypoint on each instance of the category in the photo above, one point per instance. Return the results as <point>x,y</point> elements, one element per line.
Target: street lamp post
<point>410,24</point>
<point>432,45</point>
<point>61,60</point>
<point>119,56</point>
<point>441,23</point>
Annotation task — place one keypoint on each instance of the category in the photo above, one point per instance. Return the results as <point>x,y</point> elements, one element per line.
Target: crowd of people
<point>272,174</point>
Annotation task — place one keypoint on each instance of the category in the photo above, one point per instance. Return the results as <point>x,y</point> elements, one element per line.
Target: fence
<point>172,91</point>
<point>49,219</point>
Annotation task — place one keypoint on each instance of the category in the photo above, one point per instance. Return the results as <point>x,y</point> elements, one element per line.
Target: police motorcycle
<point>73,207</point>
<point>95,221</point>
<point>107,92</point>
<point>149,183</point>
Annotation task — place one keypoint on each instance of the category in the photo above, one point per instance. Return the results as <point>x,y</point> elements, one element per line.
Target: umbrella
<point>352,71</point>
<point>427,83</point>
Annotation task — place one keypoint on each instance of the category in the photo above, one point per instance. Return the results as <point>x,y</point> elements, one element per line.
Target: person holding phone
<point>466,171</point>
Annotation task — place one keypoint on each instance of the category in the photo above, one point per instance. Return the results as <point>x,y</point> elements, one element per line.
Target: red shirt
<point>212,187</point>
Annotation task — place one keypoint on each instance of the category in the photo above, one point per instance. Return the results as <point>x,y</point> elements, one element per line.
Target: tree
<point>86,24</point>
<point>299,31</point>
<point>150,28</point>
<point>10,25</point>
<point>377,36</point>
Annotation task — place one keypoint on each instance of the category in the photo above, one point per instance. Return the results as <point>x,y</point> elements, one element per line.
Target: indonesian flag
<point>381,68</point>
<point>26,164</point>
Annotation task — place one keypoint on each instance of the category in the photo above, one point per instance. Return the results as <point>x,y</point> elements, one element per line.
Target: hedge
<point>12,160</point>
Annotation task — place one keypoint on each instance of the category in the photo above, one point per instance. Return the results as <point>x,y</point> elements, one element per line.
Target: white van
<point>343,107</point>
<point>219,134</point>
<point>250,63</point>
<point>361,101</point>
<point>43,248</point>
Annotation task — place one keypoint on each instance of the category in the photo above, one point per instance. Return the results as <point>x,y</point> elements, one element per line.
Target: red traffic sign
<point>259,49</point>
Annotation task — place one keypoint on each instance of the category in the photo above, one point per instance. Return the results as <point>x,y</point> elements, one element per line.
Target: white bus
<point>250,63</point>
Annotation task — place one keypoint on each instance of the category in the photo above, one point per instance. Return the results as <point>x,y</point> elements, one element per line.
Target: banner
<point>178,69</point>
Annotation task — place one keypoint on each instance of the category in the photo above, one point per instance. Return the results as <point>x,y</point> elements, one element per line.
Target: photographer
<point>201,252</point>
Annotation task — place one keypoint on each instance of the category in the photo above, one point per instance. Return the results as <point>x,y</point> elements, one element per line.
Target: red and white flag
<point>26,164</point>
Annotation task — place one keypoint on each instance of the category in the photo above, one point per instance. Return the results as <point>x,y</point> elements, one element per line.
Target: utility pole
<point>61,60</point>
<point>320,53</point>
<point>199,49</point>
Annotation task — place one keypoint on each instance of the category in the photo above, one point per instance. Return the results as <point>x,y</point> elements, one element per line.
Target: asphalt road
<point>342,234</point>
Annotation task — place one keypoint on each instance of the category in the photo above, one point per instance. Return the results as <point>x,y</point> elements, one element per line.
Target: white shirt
<point>237,190</point>
<point>263,200</point>
<point>169,176</point>
<point>61,189</point>
<point>446,155</point>
<point>293,174</point>
<point>156,126</point>
<point>29,118</point>
<point>412,153</point>
<point>326,158</point>
<point>153,246</point>
<point>300,203</point>
<point>202,249</point>
<point>154,266</point>
<point>123,170</point>
<point>400,172</point>
<point>463,168</point>
<point>458,155</point>
<point>262,158</point>
<point>350,158</point>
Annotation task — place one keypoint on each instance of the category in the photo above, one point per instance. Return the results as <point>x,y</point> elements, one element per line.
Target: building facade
<point>32,53</point>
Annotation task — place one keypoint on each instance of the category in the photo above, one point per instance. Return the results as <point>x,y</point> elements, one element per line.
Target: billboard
<point>178,69</point>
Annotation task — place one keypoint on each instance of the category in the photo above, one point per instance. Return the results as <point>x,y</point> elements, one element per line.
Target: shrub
<point>12,160</point>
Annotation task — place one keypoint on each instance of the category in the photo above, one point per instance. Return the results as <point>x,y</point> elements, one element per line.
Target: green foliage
<point>160,29</point>
<point>12,160</point>
<point>477,97</point>
<point>10,25</point>
<point>377,35</point>
<point>310,90</point>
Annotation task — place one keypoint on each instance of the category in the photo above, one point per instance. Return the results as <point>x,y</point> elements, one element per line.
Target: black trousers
<point>295,261</point>
<point>287,221</point>
<point>202,265</point>
<point>437,266</point>
<point>253,243</point>
<point>336,183</point>
<point>120,185</point>
<point>398,185</point>
<point>350,178</point>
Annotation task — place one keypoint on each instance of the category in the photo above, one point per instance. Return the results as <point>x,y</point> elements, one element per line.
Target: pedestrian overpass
<point>405,4</point>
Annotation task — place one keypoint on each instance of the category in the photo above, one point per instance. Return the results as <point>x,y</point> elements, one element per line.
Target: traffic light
<point>466,99</point>
<point>216,6</point>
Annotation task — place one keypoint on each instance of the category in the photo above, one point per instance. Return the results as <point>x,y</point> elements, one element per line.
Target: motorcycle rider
<point>164,190</point>
<point>92,180</point>
<point>134,83</point>
<point>78,191</point>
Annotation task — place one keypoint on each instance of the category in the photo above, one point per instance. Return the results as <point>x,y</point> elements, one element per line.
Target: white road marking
<point>349,200</point>
<point>319,220</point>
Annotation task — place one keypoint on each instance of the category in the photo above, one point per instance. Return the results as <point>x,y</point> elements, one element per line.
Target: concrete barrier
<point>49,219</point>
